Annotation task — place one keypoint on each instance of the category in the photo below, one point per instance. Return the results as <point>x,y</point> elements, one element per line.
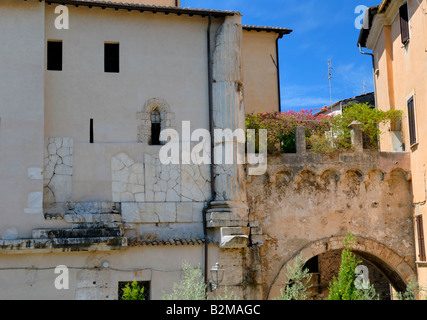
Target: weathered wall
<point>34,278</point>
<point>22,115</point>
<point>308,203</point>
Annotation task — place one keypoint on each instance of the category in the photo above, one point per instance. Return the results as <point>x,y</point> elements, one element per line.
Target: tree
<point>133,293</point>
<point>298,284</point>
<point>344,288</point>
<point>192,286</point>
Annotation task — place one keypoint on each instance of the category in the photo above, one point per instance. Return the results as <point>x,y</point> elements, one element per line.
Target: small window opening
<point>112,57</point>
<point>54,55</point>
<point>155,127</point>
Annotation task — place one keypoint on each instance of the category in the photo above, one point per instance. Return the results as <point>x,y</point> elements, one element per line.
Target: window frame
<point>412,122</point>
<point>405,33</point>
<point>421,240</point>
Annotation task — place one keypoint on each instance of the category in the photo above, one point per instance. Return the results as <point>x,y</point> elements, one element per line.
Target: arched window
<point>156,115</point>
<point>155,127</point>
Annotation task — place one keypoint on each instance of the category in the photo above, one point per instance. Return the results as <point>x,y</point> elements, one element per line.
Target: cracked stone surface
<point>127,179</point>
<point>195,183</point>
<point>58,169</point>
<point>162,182</point>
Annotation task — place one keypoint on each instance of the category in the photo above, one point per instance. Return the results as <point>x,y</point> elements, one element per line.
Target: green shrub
<point>192,286</point>
<point>298,284</point>
<point>133,292</point>
<point>344,287</point>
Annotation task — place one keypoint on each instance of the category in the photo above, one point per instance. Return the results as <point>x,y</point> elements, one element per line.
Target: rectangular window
<point>111,57</point>
<point>54,55</point>
<point>421,245</point>
<point>404,23</point>
<point>412,124</point>
<point>141,284</point>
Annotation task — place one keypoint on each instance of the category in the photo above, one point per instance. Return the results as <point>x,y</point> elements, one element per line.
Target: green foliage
<point>225,295</point>
<point>372,120</point>
<point>344,288</point>
<point>192,286</point>
<point>281,127</point>
<point>325,134</point>
<point>133,292</point>
<point>298,283</point>
<point>288,143</point>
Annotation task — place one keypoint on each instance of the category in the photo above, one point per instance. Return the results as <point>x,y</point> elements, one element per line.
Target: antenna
<point>364,86</point>
<point>330,68</point>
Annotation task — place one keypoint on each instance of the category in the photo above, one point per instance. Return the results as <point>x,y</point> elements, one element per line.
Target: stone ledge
<point>62,245</point>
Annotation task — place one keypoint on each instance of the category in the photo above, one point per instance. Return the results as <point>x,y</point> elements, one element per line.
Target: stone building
<point>86,89</point>
<point>395,31</point>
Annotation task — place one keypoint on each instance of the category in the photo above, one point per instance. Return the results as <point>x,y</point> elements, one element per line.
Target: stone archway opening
<point>387,267</point>
<point>325,267</point>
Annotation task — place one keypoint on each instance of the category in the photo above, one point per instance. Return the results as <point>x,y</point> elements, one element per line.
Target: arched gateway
<point>394,267</point>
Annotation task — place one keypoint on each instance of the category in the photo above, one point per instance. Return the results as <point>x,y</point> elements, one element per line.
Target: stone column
<point>356,136</point>
<point>229,206</point>
<point>300,141</point>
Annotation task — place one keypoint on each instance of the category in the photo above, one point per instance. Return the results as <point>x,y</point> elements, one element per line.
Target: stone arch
<point>376,175</point>
<point>167,118</point>
<point>306,181</point>
<point>351,182</point>
<point>394,267</point>
<point>283,178</point>
<point>329,177</point>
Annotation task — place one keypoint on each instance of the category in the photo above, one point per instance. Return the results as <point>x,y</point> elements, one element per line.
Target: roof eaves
<point>144,7</point>
<point>280,31</point>
<point>371,12</point>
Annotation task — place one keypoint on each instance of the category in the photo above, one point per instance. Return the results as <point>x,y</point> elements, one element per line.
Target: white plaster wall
<point>161,56</point>
<point>161,265</point>
<point>22,115</point>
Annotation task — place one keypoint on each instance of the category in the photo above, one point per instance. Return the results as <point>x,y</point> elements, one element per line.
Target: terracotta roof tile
<point>166,242</point>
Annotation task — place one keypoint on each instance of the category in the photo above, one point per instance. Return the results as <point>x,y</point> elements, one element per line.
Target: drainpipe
<point>278,75</point>
<point>212,176</point>
<point>373,68</point>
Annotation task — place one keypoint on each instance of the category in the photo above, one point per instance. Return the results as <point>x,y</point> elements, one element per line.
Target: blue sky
<point>322,31</point>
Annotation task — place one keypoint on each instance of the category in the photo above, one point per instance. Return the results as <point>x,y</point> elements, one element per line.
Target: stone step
<point>76,233</point>
<point>86,217</point>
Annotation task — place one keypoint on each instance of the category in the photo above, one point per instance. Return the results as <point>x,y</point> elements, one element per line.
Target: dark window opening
<point>312,265</point>
<point>421,245</point>
<point>404,23</point>
<point>155,128</point>
<point>54,55</point>
<point>111,57</point>
<point>412,125</point>
<point>91,131</point>
<point>144,284</point>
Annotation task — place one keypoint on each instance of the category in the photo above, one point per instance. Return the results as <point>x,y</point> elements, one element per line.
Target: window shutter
<point>421,245</point>
<point>404,23</point>
<point>411,119</point>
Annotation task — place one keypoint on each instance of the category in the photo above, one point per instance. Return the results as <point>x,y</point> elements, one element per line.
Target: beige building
<point>396,32</point>
<point>86,88</point>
